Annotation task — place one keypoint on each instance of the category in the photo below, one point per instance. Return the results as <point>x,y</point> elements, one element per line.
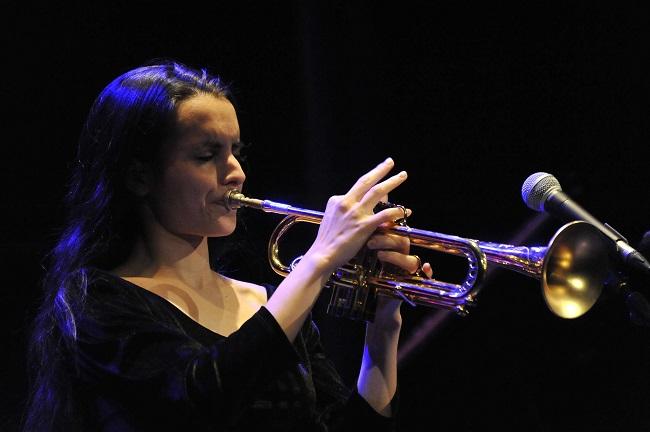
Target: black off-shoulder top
<point>141,364</point>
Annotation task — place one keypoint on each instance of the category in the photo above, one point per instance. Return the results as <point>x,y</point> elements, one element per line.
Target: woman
<point>137,331</point>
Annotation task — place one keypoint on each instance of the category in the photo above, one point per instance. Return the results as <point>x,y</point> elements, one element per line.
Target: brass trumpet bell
<point>575,269</point>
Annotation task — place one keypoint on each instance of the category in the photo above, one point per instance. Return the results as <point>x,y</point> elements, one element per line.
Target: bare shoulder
<point>254,292</point>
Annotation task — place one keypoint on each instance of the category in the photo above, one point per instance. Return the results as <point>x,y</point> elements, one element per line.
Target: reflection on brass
<point>575,269</point>
<point>572,269</point>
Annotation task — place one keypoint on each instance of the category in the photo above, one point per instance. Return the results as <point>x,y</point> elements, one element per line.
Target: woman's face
<point>198,166</point>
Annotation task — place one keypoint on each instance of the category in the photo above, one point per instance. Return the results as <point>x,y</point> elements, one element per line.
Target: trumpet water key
<point>572,269</point>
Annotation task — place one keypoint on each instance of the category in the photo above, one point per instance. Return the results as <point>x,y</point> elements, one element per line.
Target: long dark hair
<point>126,123</point>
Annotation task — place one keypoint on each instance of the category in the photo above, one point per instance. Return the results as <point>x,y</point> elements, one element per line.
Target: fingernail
<point>402,174</point>
<point>389,160</point>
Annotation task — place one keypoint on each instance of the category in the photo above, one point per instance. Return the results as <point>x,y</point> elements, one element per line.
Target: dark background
<point>469,100</point>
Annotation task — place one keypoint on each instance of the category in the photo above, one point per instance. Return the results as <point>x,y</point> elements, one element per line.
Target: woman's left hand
<point>377,381</point>
<point>394,249</point>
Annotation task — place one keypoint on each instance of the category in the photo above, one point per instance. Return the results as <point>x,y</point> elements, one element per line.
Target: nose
<point>234,174</point>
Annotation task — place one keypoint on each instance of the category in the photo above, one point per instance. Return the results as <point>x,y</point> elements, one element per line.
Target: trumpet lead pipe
<point>235,200</point>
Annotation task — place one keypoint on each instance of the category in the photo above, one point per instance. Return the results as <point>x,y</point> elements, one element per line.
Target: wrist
<point>387,315</point>
<point>384,328</point>
<point>319,262</point>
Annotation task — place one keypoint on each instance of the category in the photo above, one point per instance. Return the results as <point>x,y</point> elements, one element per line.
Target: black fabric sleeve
<point>128,343</point>
<point>343,409</point>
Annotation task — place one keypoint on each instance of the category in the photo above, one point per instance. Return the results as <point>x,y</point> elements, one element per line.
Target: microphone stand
<point>630,287</point>
<point>638,307</point>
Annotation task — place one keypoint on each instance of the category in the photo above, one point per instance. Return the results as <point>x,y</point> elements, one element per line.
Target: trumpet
<point>572,269</point>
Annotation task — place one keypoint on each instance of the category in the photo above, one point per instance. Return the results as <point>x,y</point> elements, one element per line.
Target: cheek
<point>180,192</point>
<point>189,182</point>
<point>186,199</point>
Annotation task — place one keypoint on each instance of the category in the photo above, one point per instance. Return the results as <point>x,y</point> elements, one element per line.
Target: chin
<point>223,229</point>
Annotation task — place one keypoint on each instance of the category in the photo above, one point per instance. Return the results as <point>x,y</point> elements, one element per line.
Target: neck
<point>158,253</point>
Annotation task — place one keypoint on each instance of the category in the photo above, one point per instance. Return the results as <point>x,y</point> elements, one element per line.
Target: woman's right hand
<point>349,219</point>
<point>346,225</point>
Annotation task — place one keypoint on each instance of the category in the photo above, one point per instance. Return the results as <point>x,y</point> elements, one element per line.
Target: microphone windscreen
<point>537,188</point>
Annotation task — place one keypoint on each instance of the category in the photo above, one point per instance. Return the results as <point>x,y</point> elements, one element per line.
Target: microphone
<point>542,192</point>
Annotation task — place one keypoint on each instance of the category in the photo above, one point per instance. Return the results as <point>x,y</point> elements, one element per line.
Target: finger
<point>426,268</point>
<point>406,213</point>
<point>384,199</point>
<point>387,241</point>
<point>387,217</point>
<point>373,195</point>
<point>407,262</point>
<point>370,179</point>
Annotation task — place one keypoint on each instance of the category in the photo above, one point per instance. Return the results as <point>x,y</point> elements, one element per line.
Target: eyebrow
<point>212,143</point>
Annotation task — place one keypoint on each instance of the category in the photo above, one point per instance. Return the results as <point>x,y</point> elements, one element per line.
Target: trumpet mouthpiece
<point>234,199</point>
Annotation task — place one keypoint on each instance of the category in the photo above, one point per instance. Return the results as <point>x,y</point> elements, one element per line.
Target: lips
<point>225,197</point>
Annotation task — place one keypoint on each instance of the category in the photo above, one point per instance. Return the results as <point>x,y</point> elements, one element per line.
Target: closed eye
<point>213,150</point>
<point>206,158</point>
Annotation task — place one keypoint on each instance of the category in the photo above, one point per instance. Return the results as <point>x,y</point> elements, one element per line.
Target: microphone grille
<point>537,188</point>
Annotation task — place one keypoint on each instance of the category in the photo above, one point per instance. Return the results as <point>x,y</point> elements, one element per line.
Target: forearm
<point>377,382</point>
<point>296,295</point>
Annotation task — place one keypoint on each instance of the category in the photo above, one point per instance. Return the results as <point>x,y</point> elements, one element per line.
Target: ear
<point>139,178</point>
